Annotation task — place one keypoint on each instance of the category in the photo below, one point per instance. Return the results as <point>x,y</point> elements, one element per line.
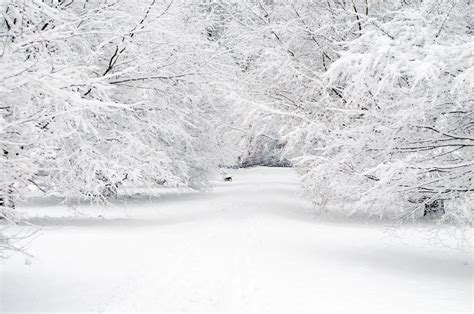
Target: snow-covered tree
<point>94,93</point>
<point>399,141</point>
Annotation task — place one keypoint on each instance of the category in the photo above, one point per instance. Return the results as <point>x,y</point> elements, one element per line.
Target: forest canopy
<point>370,100</point>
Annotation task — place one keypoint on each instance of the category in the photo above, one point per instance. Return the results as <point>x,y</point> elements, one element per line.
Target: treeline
<point>371,100</point>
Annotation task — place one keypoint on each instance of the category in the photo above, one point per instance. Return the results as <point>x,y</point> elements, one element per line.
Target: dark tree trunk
<point>6,202</point>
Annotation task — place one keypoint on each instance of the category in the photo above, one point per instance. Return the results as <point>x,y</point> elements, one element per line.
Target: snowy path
<point>248,245</point>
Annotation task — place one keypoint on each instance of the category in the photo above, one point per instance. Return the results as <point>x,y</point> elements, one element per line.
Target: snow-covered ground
<point>250,244</point>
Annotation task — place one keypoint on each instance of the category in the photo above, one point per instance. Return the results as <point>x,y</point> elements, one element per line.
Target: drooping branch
<point>354,7</point>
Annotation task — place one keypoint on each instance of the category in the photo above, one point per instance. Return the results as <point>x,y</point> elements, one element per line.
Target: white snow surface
<point>248,245</point>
